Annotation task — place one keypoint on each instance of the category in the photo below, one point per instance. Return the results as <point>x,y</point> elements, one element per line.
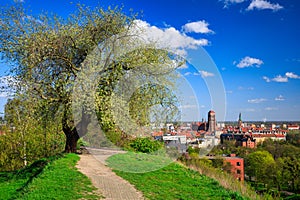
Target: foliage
<point>276,169</point>
<point>30,134</point>
<point>193,150</point>
<point>148,96</point>
<point>48,178</point>
<point>293,137</point>
<point>78,64</point>
<point>228,147</point>
<point>81,143</point>
<point>119,138</point>
<point>284,174</point>
<point>258,163</point>
<point>145,145</point>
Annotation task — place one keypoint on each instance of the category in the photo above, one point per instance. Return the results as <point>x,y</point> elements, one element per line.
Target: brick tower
<point>211,121</point>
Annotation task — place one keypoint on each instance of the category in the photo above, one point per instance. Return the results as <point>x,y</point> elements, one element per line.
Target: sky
<point>243,55</point>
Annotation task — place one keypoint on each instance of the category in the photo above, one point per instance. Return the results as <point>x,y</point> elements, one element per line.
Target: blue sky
<point>252,46</point>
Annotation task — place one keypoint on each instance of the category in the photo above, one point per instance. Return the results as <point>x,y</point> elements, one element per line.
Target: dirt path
<point>109,185</point>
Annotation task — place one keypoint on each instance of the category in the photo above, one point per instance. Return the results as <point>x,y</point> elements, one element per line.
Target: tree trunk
<point>71,139</point>
<point>69,130</point>
<point>72,131</point>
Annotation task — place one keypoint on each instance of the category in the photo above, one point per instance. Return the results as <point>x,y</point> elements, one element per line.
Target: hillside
<point>57,178</point>
<point>159,178</point>
<point>48,178</point>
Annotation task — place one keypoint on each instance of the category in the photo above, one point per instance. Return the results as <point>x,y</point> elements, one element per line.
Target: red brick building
<point>248,142</point>
<point>237,166</point>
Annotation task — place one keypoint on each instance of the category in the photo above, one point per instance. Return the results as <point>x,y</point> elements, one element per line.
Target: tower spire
<point>240,120</point>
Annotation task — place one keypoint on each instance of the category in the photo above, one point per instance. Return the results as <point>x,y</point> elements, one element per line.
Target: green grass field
<point>171,181</point>
<point>138,162</point>
<point>51,178</point>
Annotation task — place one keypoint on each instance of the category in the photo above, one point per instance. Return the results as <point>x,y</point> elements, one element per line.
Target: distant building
<point>259,138</point>
<point>232,164</point>
<point>240,122</point>
<point>247,141</point>
<point>211,121</point>
<point>237,166</point>
<point>284,126</point>
<point>177,141</point>
<point>202,126</point>
<point>209,141</point>
<point>293,127</point>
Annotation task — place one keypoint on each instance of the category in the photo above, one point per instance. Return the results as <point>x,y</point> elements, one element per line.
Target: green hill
<point>48,178</point>
<point>58,178</point>
<point>173,181</point>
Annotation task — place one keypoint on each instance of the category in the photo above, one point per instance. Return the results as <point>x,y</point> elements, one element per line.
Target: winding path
<point>109,185</point>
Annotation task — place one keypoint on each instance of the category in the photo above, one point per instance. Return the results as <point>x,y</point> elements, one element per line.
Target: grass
<point>49,178</point>
<point>173,181</point>
<point>224,179</point>
<point>138,162</point>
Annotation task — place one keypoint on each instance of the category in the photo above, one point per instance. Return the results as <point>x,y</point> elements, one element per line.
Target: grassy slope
<point>47,179</point>
<point>170,182</point>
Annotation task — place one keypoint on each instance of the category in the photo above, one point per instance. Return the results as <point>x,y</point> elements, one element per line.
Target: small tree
<point>257,165</point>
<point>28,134</point>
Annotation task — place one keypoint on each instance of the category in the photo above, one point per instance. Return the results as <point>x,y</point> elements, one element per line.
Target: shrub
<point>81,142</point>
<point>145,145</point>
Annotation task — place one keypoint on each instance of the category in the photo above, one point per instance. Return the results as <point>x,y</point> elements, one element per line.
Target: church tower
<point>211,121</point>
<point>240,122</point>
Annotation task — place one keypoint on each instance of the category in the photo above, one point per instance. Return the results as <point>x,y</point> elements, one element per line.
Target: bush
<point>81,142</point>
<point>145,145</point>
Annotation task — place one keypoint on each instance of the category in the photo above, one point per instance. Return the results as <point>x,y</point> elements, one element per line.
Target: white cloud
<point>280,79</point>
<point>168,37</point>
<point>205,74</point>
<point>228,2</point>
<point>187,106</point>
<point>292,75</point>
<point>187,73</point>
<point>257,100</point>
<point>266,79</point>
<point>248,62</point>
<point>197,27</point>
<point>262,4</point>
<point>234,1</point>
<point>279,98</point>
<point>270,108</point>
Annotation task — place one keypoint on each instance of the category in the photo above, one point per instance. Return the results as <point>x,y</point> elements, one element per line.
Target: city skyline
<point>249,50</point>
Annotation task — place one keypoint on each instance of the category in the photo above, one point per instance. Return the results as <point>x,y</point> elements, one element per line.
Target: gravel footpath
<point>109,185</point>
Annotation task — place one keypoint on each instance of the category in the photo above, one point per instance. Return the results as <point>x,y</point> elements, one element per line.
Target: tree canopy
<point>78,65</point>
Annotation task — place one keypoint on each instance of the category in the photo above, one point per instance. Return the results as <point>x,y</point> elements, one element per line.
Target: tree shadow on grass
<point>23,177</point>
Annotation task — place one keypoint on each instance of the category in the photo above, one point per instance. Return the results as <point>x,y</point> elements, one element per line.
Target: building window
<point>238,171</point>
<point>238,164</point>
